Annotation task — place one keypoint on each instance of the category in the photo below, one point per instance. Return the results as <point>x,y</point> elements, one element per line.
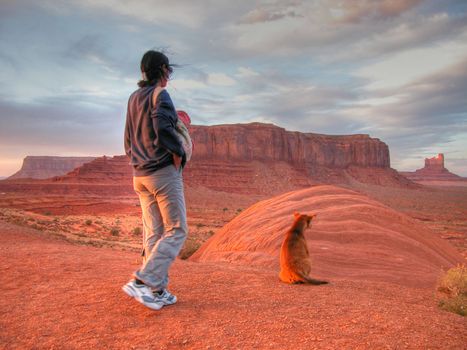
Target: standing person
<point>157,157</point>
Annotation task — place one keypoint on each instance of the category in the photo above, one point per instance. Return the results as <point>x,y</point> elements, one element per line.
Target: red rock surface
<point>103,169</point>
<point>267,142</point>
<point>56,295</point>
<point>433,170</point>
<point>353,237</point>
<point>263,159</point>
<point>43,167</point>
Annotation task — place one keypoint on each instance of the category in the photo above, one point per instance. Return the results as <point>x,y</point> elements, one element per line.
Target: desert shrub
<point>190,247</point>
<point>88,222</point>
<point>453,289</point>
<point>211,232</point>
<point>47,213</point>
<point>225,209</point>
<point>137,231</point>
<point>239,210</point>
<point>199,225</point>
<point>115,231</point>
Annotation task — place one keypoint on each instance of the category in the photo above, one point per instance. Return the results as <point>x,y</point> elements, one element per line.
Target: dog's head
<point>304,218</point>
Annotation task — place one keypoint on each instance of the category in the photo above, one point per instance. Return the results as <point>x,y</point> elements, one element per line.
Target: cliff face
<point>269,143</point>
<point>43,167</point>
<point>262,158</point>
<point>433,170</point>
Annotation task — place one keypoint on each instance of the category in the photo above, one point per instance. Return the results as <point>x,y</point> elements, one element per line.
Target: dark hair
<point>152,65</point>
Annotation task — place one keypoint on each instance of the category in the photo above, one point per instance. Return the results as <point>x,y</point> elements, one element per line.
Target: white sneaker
<point>165,297</point>
<point>142,294</point>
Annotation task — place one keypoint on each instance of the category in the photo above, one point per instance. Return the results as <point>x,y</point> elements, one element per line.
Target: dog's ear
<point>309,218</point>
<point>296,215</point>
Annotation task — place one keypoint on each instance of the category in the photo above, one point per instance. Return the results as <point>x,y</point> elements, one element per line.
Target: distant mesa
<point>44,167</point>
<point>433,170</point>
<point>353,237</point>
<point>263,159</point>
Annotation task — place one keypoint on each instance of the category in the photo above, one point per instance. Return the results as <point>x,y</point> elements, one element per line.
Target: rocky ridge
<point>43,167</point>
<point>263,158</point>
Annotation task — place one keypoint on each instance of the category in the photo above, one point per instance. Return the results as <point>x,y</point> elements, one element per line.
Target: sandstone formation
<point>353,237</point>
<point>433,170</point>
<point>260,159</point>
<point>264,159</point>
<point>269,143</point>
<point>103,169</point>
<point>43,167</point>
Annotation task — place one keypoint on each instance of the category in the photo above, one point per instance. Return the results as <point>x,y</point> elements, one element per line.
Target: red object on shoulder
<point>184,117</point>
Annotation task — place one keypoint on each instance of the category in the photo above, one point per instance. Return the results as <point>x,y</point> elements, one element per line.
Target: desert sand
<point>62,295</point>
<point>61,275</point>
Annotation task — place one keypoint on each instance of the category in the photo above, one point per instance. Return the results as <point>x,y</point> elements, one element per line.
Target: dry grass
<point>190,247</point>
<point>453,289</point>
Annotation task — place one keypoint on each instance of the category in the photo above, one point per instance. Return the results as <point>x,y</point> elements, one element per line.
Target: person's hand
<point>177,162</point>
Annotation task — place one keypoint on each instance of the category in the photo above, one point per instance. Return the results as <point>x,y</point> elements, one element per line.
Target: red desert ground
<point>70,237</point>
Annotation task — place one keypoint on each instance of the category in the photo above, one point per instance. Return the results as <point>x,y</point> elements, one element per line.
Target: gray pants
<point>164,223</point>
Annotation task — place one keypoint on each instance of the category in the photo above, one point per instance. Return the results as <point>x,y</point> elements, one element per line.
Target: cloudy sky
<point>393,69</point>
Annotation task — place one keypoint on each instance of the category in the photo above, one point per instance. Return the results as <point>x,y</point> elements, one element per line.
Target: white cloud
<point>245,72</point>
<point>220,79</point>
<point>187,84</point>
<point>404,67</point>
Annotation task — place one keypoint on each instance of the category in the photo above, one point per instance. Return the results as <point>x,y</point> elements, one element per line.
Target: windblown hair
<point>152,65</point>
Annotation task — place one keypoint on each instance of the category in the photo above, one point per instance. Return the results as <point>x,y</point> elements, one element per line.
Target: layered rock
<point>269,143</point>
<point>103,169</point>
<point>433,170</point>
<point>263,159</point>
<point>43,167</point>
<point>352,237</point>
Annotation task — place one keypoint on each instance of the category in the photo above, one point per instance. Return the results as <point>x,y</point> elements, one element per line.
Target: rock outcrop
<point>352,237</point>
<point>100,170</point>
<point>263,159</point>
<point>433,170</point>
<point>269,143</point>
<point>43,167</point>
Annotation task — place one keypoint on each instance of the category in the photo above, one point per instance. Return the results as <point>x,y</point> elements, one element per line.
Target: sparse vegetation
<point>48,213</point>
<point>115,231</point>
<point>88,222</point>
<point>453,288</point>
<point>137,231</point>
<point>199,225</point>
<point>190,247</point>
<point>239,210</point>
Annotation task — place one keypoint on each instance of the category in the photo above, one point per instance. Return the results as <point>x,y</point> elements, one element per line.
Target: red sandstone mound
<point>433,170</point>
<point>353,237</point>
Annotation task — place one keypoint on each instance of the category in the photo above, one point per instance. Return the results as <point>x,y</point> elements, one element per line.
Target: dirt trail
<point>59,295</point>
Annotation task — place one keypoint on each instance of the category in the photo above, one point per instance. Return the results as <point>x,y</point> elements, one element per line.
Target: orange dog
<point>294,257</point>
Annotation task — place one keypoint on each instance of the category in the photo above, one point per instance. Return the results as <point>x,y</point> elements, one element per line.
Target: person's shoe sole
<point>130,291</point>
